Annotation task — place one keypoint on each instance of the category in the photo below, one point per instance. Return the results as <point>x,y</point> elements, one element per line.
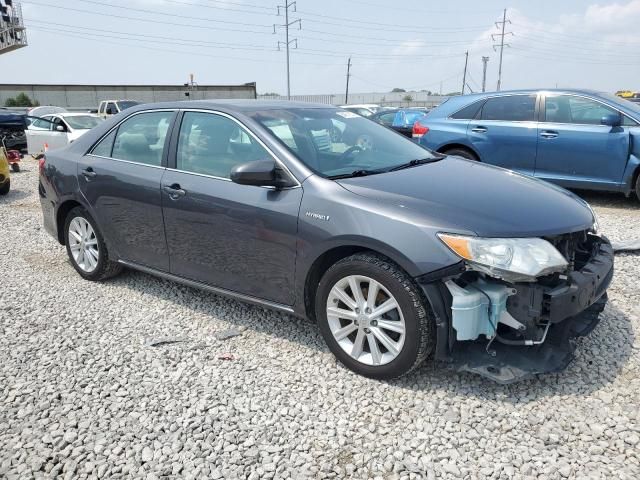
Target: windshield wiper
<point>355,173</point>
<point>416,162</point>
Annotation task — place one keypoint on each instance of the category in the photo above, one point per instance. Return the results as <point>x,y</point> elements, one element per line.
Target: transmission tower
<point>287,43</point>
<point>501,26</point>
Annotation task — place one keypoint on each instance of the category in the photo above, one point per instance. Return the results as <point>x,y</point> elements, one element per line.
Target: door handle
<point>548,134</point>
<point>174,191</point>
<point>479,129</point>
<point>89,173</point>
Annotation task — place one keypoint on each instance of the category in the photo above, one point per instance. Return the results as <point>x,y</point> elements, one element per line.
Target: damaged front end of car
<point>513,308</point>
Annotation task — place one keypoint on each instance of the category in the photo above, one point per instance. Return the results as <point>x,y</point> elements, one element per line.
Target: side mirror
<point>260,173</point>
<point>60,128</point>
<point>611,120</point>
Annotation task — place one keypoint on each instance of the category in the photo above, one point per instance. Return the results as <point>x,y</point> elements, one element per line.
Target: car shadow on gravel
<point>599,357</point>
<point>13,196</point>
<point>609,199</point>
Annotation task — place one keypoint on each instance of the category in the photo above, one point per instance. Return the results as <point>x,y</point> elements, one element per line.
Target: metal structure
<point>485,60</point>
<point>287,43</point>
<point>346,95</point>
<point>464,75</point>
<point>501,25</point>
<point>13,34</point>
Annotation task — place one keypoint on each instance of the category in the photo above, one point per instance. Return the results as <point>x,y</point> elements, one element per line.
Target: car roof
<point>240,105</point>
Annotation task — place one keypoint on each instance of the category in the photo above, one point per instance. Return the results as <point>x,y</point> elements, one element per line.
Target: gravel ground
<point>86,390</point>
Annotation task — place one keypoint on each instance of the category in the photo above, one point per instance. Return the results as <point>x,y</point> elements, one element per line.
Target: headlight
<point>595,228</point>
<point>514,259</point>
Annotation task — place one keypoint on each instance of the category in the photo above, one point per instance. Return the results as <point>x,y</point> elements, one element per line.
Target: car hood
<point>460,195</point>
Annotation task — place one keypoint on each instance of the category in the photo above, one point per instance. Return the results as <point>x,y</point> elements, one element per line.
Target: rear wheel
<point>86,248</point>
<point>461,152</point>
<point>15,167</point>
<point>638,186</point>
<point>5,187</point>
<point>373,317</point>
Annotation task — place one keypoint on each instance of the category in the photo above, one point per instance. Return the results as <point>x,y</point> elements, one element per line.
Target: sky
<point>416,45</point>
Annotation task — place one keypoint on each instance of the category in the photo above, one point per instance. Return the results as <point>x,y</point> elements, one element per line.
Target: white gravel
<point>129,379</point>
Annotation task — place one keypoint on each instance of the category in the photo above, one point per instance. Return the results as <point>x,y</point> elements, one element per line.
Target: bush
<point>21,100</point>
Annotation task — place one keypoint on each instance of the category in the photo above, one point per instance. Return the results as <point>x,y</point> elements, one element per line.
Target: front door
<point>120,180</point>
<point>504,132</point>
<point>575,149</point>
<point>237,237</point>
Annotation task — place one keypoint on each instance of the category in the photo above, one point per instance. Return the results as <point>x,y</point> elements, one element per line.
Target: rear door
<point>120,180</point>
<point>504,132</point>
<point>575,149</point>
<point>240,238</point>
<point>39,134</point>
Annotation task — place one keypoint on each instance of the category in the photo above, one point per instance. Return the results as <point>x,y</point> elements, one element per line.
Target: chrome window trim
<point>250,133</point>
<point>594,99</point>
<point>126,161</point>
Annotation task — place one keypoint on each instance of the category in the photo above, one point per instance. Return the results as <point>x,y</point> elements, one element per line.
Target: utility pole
<point>346,95</point>
<point>464,76</point>
<point>287,43</point>
<point>501,25</point>
<point>485,60</point>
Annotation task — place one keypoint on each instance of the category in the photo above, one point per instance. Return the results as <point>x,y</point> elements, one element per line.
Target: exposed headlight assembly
<point>513,259</point>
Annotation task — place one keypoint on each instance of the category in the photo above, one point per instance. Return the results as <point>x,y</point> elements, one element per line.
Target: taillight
<point>41,163</point>
<point>419,130</point>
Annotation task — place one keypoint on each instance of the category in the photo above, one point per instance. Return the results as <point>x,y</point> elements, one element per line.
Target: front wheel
<point>374,317</point>
<point>638,187</point>
<point>15,167</point>
<point>86,248</point>
<point>5,187</point>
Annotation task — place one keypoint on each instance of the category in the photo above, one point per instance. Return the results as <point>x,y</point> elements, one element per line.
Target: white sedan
<point>58,130</point>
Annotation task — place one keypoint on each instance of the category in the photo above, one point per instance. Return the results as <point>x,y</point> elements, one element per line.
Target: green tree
<point>407,98</point>
<point>21,100</point>
<point>398,90</point>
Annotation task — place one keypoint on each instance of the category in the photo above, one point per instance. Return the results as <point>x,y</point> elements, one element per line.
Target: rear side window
<point>387,118</point>
<point>141,138</point>
<point>469,112</point>
<point>103,149</point>
<point>511,108</point>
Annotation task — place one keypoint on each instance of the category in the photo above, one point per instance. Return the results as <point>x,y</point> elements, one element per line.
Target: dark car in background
<point>575,138</point>
<point>398,253</point>
<point>401,120</point>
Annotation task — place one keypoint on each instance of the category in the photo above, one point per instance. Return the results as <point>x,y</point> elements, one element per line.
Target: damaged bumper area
<point>509,331</point>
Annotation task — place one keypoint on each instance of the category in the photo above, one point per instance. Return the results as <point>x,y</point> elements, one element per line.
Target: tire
<point>4,189</point>
<point>15,167</point>
<point>638,186</point>
<point>103,268</point>
<point>461,152</point>
<point>409,349</point>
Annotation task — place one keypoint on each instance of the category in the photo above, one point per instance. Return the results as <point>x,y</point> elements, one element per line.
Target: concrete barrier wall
<point>90,96</point>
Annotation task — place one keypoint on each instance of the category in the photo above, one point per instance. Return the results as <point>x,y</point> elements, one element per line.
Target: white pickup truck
<point>113,107</point>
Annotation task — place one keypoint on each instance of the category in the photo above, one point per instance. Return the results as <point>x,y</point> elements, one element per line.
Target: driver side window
<point>212,144</point>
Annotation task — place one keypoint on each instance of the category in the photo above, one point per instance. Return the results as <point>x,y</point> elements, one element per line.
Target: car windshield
<point>127,104</point>
<point>635,107</point>
<point>335,142</point>
<point>82,122</point>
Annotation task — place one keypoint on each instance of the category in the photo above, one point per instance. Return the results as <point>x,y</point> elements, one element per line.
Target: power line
<point>501,24</point>
<point>346,95</point>
<point>287,43</point>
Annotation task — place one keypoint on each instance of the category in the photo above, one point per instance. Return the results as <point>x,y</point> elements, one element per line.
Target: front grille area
<point>577,247</point>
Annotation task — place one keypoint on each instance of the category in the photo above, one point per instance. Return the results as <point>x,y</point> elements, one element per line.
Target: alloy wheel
<point>366,320</point>
<point>83,244</point>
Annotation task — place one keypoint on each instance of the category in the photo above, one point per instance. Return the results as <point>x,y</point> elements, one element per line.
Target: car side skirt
<point>208,288</point>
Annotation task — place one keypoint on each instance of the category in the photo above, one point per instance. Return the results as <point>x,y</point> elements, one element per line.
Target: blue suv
<point>575,138</point>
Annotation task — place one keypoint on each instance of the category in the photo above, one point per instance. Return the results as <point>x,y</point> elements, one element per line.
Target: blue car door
<point>575,149</point>
<point>504,132</point>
